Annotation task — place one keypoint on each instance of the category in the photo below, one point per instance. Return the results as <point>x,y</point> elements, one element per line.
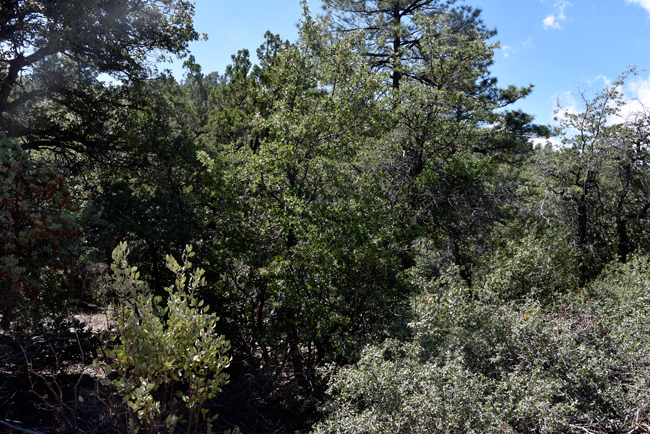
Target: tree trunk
<point>623,240</point>
<point>397,45</point>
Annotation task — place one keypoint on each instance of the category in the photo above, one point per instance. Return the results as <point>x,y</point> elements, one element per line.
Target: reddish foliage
<point>38,230</point>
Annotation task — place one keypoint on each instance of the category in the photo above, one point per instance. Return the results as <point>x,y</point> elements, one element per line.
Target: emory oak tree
<point>599,182</point>
<point>51,57</point>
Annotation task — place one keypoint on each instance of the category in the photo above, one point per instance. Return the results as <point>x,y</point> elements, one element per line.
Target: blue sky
<point>562,47</point>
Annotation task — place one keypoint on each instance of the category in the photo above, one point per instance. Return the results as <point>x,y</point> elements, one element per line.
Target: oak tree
<point>52,95</point>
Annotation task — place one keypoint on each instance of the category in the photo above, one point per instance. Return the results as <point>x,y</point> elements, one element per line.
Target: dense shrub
<point>39,237</point>
<point>540,265</point>
<point>480,364</point>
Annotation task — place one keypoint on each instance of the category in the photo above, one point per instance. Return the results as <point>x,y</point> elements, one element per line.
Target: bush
<point>481,364</point>
<point>538,266</point>
<point>39,238</point>
<point>165,370</point>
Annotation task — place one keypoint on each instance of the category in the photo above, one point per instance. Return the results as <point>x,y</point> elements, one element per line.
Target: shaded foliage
<point>39,238</point>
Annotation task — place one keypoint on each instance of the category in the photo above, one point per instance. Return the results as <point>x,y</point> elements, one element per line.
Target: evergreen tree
<point>392,36</point>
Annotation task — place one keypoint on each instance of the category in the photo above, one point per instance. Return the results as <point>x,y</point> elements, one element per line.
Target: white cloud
<point>635,95</point>
<point>508,50</point>
<point>528,43</point>
<point>637,98</point>
<point>565,104</point>
<point>551,143</point>
<point>606,80</point>
<point>645,4</point>
<point>553,21</point>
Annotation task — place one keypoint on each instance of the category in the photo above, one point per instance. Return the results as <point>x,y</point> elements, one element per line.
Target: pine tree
<point>392,35</point>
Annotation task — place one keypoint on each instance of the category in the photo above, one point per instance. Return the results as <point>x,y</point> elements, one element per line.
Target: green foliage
<point>167,361</point>
<point>389,390</point>
<point>540,266</point>
<point>39,238</point>
<point>479,364</point>
<point>51,96</point>
<point>154,199</point>
<point>302,242</point>
<point>448,152</point>
<point>370,160</point>
<point>598,184</point>
<point>240,98</point>
<point>392,36</point>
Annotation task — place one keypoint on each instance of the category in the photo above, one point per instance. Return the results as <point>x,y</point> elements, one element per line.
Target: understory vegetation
<point>369,241</point>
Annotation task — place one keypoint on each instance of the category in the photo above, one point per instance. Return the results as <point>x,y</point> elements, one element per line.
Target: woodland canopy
<point>376,246</point>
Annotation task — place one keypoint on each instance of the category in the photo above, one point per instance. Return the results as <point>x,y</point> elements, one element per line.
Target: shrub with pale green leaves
<point>541,266</point>
<point>166,361</point>
<point>482,364</point>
